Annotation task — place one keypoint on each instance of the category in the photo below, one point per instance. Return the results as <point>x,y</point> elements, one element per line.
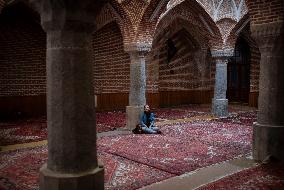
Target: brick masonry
<point>184,71</point>
<point>265,11</point>
<point>22,55</point>
<point>111,62</point>
<point>22,44</point>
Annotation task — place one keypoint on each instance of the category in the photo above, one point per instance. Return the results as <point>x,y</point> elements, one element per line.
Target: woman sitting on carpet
<point>147,122</point>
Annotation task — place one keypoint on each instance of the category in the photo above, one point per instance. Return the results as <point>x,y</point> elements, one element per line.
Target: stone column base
<point>133,114</point>
<point>91,180</point>
<point>268,141</point>
<point>220,107</point>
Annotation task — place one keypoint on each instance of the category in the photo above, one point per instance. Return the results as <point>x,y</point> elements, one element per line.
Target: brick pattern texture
<point>111,63</point>
<point>22,54</point>
<point>23,47</point>
<point>266,11</point>
<point>184,71</point>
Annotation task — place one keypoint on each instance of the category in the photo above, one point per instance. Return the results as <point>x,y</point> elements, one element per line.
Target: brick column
<point>220,102</point>
<point>72,157</point>
<point>137,97</point>
<point>268,131</point>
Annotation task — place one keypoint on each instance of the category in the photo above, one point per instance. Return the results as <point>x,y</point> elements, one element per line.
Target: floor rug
<point>183,146</point>
<point>264,177</point>
<point>211,132</point>
<point>23,131</point>
<point>173,155</point>
<point>108,121</point>
<point>240,117</point>
<point>176,113</point>
<point>35,129</point>
<point>19,170</point>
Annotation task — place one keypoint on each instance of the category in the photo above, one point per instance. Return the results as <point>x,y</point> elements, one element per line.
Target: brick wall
<point>22,55</point>
<point>255,68</point>
<point>184,71</point>
<point>185,76</point>
<point>22,63</point>
<point>265,11</point>
<point>111,62</point>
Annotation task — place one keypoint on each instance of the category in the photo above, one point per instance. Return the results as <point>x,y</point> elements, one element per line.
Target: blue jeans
<point>150,130</point>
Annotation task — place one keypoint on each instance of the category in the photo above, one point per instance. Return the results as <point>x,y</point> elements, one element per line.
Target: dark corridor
<point>239,73</point>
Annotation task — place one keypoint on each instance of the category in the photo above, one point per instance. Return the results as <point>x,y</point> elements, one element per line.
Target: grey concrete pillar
<point>220,102</point>
<point>137,97</point>
<point>268,131</point>
<point>72,157</point>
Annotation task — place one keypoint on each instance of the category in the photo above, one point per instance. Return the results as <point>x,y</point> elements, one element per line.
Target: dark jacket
<point>143,120</point>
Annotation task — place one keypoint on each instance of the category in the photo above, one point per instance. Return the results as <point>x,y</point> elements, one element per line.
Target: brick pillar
<point>220,102</point>
<point>137,97</point>
<point>268,131</point>
<point>72,157</point>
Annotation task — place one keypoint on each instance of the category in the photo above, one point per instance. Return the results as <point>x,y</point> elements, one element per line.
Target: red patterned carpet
<point>264,177</point>
<point>133,161</point>
<point>183,147</point>
<point>19,170</point>
<point>22,131</point>
<point>35,129</point>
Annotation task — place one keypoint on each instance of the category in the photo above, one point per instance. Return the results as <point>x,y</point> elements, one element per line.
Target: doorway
<point>239,73</point>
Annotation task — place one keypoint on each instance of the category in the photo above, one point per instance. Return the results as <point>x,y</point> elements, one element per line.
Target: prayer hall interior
<point>75,76</point>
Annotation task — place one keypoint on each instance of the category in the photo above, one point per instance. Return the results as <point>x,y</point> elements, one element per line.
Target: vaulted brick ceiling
<point>220,9</point>
<point>225,13</point>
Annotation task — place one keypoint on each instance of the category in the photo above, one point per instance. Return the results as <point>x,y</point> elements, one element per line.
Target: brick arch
<point>236,30</point>
<point>110,14</point>
<point>194,7</point>
<point>243,30</point>
<point>195,14</point>
<point>225,26</point>
<point>111,67</point>
<point>177,23</point>
<point>149,20</point>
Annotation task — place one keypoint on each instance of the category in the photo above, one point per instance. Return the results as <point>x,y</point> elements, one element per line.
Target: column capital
<point>222,53</point>
<point>269,35</point>
<point>138,48</point>
<point>67,15</point>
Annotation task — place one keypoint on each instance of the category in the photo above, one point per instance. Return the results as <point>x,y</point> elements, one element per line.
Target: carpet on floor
<point>109,121</point>
<point>263,177</point>
<point>171,114</point>
<point>23,131</point>
<point>211,132</point>
<point>35,129</point>
<point>19,170</point>
<point>184,146</point>
<point>142,159</point>
<point>170,154</point>
<point>241,117</point>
